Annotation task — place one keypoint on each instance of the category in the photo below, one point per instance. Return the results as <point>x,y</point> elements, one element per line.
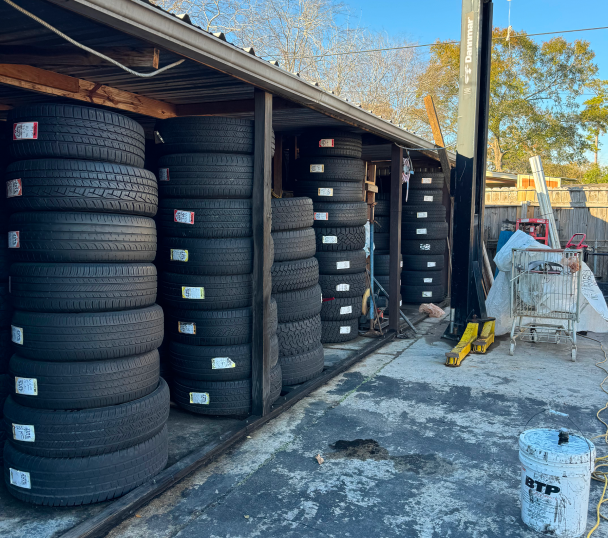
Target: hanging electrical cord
<point>84,47</point>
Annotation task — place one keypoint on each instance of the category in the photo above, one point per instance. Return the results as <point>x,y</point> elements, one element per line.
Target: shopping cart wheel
<point>512,348</point>
<point>573,354</point>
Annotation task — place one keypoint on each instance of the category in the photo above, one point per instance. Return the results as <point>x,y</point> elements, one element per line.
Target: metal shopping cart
<point>545,285</point>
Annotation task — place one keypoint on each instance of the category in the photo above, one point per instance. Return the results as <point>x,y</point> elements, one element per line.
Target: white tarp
<point>593,314</point>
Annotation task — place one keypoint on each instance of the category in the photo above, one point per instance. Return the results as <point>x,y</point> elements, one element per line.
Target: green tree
<point>534,97</point>
<point>595,114</point>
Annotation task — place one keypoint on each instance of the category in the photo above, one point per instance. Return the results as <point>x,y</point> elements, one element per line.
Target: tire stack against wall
<point>205,223</point>
<point>5,316</point>
<point>86,419</point>
<point>424,231</point>
<point>330,171</point>
<point>295,287</point>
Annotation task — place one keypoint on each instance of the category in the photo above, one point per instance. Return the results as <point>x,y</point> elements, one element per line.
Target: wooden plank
<point>73,56</point>
<point>277,165</point>
<point>51,83</point>
<point>238,106</point>
<point>262,215</point>
<point>431,112</point>
<point>371,188</point>
<point>394,286</point>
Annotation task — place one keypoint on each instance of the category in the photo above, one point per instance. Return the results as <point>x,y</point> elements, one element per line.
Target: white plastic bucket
<point>555,481</point>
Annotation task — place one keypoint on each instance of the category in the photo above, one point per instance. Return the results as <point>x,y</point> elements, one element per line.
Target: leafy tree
<point>596,174</point>
<point>595,114</point>
<point>534,105</point>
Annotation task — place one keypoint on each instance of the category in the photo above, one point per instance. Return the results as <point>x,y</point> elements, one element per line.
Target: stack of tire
<point>424,231</point>
<point>330,172</point>
<point>86,419</point>
<point>206,248</point>
<point>295,288</point>
<point>5,318</point>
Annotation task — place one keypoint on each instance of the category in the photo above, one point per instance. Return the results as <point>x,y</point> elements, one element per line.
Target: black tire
<point>294,275</point>
<point>304,366</point>
<point>215,363</point>
<point>334,263</point>
<point>210,219</point>
<point>334,332</point>
<point>206,256</point>
<point>344,144</point>
<point>81,237</point>
<point>222,397</point>
<point>422,278</point>
<point>382,242</point>
<point>91,431</point>
<point>294,245</point>
<point>82,287</point>
<point>382,208</point>
<point>423,246</point>
<point>334,191</point>
<point>330,169</point>
<point>4,256</point>
<point>426,180</point>
<point>423,213</point>
<point>341,308</point>
<point>340,214</point>
<point>200,134</point>
<point>338,239</point>
<point>218,292</point>
<point>78,481</point>
<point>205,175</point>
<point>85,385</point>
<point>210,327</point>
<point>299,337</point>
<point>71,185</point>
<point>340,286</point>
<point>425,230</point>
<point>384,282</point>
<point>89,335</point>
<point>6,310</point>
<point>6,349</point>
<point>414,262</point>
<point>423,294</point>
<point>298,305</point>
<point>424,196</point>
<point>381,264</point>
<point>78,132</point>
<point>382,225</point>
<point>6,387</point>
<point>291,214</point>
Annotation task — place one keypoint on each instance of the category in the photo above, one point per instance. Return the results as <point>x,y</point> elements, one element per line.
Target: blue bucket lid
<point>543,444</point>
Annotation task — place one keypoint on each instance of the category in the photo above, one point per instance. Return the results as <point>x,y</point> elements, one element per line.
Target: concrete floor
<point>437,452</point>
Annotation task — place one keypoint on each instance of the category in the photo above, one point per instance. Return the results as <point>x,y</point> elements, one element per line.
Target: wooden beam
<point>438,137</point>
<point>238,106</point>
<point>51,83</point>
<point>262,215</point>
<point>73,56</point>
<point>277,164</point>
<point>394,287</point>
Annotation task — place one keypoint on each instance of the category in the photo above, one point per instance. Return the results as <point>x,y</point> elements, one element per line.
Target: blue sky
<point>425,21</point>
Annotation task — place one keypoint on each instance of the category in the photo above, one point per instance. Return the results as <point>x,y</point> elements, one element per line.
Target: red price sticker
<point>185,217</point>
<point>27,130</point>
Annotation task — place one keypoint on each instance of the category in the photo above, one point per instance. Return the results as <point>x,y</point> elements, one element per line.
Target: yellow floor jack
<point>472,340</point>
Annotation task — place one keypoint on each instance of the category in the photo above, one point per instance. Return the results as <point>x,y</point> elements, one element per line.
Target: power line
<point>439,43</point>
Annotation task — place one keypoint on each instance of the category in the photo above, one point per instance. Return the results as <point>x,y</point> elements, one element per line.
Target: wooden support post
<point>394,287</point>
<point>438,137</point>
<point>262,214</point>
<point>277,165</point>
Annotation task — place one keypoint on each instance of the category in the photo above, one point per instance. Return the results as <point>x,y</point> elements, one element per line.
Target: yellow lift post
<point>472,341</point>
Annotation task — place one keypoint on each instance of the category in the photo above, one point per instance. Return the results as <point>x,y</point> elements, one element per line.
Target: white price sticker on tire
<point>193,293</point>
<point>421,215</point>
<point>27,386</point>
<point>427,293</point>
<point>321,216</point>
<point>14,240</point>
<point>220,363</point>
<point>186,327</point>
<point>163,174</point>
<point>428,198</point>
<point>17,335</point>
<point>428,280</point>
<point>325,192</point>
<point>427,180</point>
<point>401,264</point>
<point>24,432</point>
<point>343,287</point>
<point>425,246</point>
<point>21,479</point>
<point>178,255</point>
<point>326,143</point>
<point>344,330</point>
<point>400,303</point>
<point>431,264</point>
<point>14,188</point>
<point>421,231</point>
<point>26,130</point>
<point>331,239</point>
<point>199,398</point>
<point>317,168</point>
<point>342,265</point>
<point>185,217</point>
<point>346,310</point>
